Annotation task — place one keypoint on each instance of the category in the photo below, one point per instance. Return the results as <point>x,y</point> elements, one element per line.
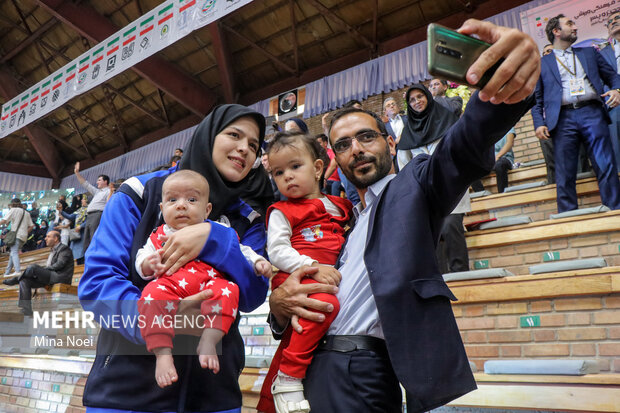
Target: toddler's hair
<point>284,139</point>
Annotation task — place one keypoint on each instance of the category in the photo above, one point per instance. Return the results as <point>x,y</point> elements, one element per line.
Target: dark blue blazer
<point>549,87</point>
<point>609,55</point>
<point>412,298</point>
<point>389,129</point>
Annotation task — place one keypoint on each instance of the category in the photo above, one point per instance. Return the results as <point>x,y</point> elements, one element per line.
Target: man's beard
<point>382,163</point>
<point>572,38</point>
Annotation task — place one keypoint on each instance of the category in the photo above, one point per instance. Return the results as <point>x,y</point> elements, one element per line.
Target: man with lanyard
<point>569,110</point>
<point>100,194</point>
<point>611,53</point>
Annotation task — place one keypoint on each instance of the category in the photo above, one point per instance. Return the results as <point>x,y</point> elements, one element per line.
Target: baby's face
<point>184,202</point>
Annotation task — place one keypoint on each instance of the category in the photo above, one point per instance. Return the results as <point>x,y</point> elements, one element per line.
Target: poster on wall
<point>590,17</point>
<point>159,28</point>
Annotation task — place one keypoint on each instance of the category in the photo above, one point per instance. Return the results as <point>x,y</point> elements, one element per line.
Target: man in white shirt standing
<point>396,121</point>
<point>22,224</point>
<point>100,194</point>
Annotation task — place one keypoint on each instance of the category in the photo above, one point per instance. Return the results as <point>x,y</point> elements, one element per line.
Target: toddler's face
<point>295,172</point>
<point>184,202</point>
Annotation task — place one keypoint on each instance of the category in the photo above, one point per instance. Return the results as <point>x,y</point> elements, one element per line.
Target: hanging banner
<point>590,17</point>
<point>159,28</point>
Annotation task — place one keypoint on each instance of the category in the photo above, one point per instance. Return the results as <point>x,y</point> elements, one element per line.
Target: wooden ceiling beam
<point>22,168</point>
<point>117,119</point>
<point>137,105</point>
<point>38,138</point>
<point>329,14</point>
<point>164,75</point>
<point>29,40</point>
<point>224,61</point>
<point>294,35</point>
<point>270,56</point>
<point>79,132</point>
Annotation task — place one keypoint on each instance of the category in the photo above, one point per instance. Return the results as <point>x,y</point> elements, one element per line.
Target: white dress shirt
<point>571,61</point>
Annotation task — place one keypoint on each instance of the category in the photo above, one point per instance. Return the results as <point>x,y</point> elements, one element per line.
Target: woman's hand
<point>184,246</point>
<point>290,300</point>
<point>189,309</point>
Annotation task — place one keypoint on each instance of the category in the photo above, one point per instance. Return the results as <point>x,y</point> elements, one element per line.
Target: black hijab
<point>197,156</point>
<point>427,126</point>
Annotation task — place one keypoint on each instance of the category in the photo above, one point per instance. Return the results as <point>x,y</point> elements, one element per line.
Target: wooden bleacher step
<point>528,185</point>
<point>479,194</point>
<point>533,163</point>
<point>543,367</point>
<point>568,265</point>
<point>506,222</point>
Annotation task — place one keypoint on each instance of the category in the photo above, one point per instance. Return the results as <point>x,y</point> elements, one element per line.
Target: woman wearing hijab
<point>428,122</point>
<point>223,149</point>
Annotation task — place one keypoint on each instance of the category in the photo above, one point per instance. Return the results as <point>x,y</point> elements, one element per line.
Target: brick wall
<point>29,391</point>
<point>570,328</point>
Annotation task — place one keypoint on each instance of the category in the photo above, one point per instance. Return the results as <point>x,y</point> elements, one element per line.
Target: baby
<point>185,202</point>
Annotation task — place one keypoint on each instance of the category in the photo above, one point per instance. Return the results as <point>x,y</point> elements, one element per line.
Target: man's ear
<point>392,144</point>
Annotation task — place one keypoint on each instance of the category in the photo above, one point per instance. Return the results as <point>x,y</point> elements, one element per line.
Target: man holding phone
<point>569,110</point>
<point>395,322</point>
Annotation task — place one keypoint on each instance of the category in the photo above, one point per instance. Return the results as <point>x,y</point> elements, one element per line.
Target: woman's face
<point>59,206</point>
<point>84,201</point>
<point>235,149</point>
<point>417,100</point>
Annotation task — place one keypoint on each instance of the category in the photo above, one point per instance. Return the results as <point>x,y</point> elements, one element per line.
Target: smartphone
<point>450,54</point>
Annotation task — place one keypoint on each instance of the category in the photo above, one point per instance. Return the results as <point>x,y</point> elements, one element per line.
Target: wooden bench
<point>592,392</point>
<point>517,176</point>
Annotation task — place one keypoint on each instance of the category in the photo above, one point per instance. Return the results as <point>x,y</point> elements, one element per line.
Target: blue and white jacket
<point>122,377</point>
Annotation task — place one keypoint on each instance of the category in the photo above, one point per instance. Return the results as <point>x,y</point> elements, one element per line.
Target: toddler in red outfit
<point>185,202</point>
<point>306,229</point>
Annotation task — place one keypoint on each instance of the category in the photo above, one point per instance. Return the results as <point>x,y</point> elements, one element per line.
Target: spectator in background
<point>39,235</point>
<point>22,224</point>
<point>504,159</point>
<point>438,89</point>
<point>76,235</point>
<point>62,224</point>
<point>34,212</point>
<point>58,270</point>
<point>353,103</point>
<point>427,123</point>
<point>548,48</point>
<point>76,202</point>
<point>100,197</point>
<point>572,111</point>
<point>332,180</point>
<point>178,152</point>
<point>395,122</point>
<point>611,53</point>
<point>295,125</point>
<point>63,200</point>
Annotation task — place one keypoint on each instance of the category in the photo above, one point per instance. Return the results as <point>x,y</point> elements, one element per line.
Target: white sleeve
<point>252,256</point>
<point>279,248</point>
<point>144,252</point>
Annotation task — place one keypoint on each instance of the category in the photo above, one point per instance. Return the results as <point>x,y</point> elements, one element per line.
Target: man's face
<point>52,238</point>
<point>178,152</point>
<point>366,164</point>
<point>613,24</point>
<point>437,88</point>
<point>567,31</point>
<point>321,142</point>
<point>390,108</point>
<point>101,183</point>
<point>547,49</point>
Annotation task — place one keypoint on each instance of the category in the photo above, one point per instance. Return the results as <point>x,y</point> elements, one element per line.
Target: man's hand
<point>614,98</point>
<point>516,77</point>
<point>189,308</point>
<point>76,168</point>
<point>290,300</point>
<point>326,274</point>
<point>542,133</point>
<point>183,246</point>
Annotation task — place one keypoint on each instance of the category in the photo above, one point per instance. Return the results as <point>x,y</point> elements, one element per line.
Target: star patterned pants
<point>160,299</point>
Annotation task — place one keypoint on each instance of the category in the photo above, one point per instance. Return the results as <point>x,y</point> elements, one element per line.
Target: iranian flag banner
<point>157,29</point>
